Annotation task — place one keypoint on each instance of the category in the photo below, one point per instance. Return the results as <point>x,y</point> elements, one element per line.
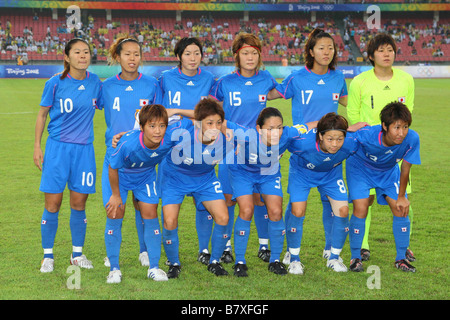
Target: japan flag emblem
<point>262,98</point>
<point>143,102</point>
<point>335,96</point>
<point>402,99</point>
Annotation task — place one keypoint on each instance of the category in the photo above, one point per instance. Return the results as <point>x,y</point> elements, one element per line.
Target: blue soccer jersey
<point>309,157</point>
<point>253,154</point>
<point>193,158</point>
<point>313,95</point>
<point>184,92</point>
<point>131,154</point>
<point>72,106</point>
<point>122,100</point>
<point>373,155</point>
<point>243,98</point>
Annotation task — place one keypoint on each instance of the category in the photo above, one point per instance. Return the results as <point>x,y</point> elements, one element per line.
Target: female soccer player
<point>258,169</point>
<point>243,95</point>
<point>369,92</point>
<point>316,90</point>
<point>375,165</point>
<point>183,87</point>
<point>70,99</point>
<point>121,97</point>
<point>319,155</point>
<point>189,169</point>
<point>132,167</point>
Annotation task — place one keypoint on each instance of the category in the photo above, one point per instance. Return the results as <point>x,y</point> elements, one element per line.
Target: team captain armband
<point>301,128</point>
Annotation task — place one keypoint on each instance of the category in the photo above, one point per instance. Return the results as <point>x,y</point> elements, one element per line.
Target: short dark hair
<point>331,121</point>
<point>152,111</point>
<point>313,37</point>
<point>379,40</point>
<point>183,43</point>
<point>208,107</point>
<point>267,113</point>
<point>395,111</point>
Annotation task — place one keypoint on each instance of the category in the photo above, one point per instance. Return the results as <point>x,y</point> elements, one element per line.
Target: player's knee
<point>275,214</point>
<point>222,219</point>
<point>298,212</point>
<point>343,212</point>
<point>170,223</point>
<point>246,212</point>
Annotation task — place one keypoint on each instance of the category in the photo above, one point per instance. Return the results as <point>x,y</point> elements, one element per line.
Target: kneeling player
<point>375,166</point>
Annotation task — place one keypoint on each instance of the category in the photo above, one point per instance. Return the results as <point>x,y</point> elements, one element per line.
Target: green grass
<point>22,205</point>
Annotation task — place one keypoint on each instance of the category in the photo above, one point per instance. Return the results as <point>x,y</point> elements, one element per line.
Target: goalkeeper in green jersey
<point>369,92</point>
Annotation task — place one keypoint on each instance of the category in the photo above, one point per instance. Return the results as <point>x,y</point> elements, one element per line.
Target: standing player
<point>183,87</point>
<point>370,91</point>
<point>70,99</point>
<point>375,165</point>
<point>121,97</point>
<point>132,167</point>
<point>320,153</point>
<point>243,95</point>
<point>316,90</point>
<point>190,170</point>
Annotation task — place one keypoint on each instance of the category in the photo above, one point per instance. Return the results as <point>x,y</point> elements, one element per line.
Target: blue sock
<point>276,236</point>
<point>78,226</point>
<point>49,226</point>
<point>262,225</point>
<point>327,219</point>
<point>219,240</point>
<point>230,225</point>
<point>171,245</point>
<point>152,238</point>
<point>204,225</point>
<point>113,241</point>
<point>140,230</point>
<point>401,229</point>
<point>357,229</point>
<point>241,235</point>
<point>338,235</point>
<point>287,215</point>
<point>294,233</point>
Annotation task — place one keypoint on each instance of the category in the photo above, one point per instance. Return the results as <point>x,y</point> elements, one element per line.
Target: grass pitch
<point>22,205</point>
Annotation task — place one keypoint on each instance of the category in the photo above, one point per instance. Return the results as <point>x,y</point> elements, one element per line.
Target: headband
<point>248,47</point>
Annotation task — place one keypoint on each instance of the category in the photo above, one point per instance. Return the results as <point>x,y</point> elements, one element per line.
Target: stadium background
<point>33,33</point>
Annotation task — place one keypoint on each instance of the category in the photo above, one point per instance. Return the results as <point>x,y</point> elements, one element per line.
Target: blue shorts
<point>142,182</point>
<point>68,163</point>
<point>244,182</point>
<point>175,186</point>
<point>225,178</point>
<point>330,183</point>
<point>361,179</point>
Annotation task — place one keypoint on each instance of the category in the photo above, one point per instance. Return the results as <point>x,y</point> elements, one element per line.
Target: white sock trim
<point>294,251</point>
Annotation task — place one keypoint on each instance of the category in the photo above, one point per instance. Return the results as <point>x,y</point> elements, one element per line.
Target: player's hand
<point>355,127</point>
<point>114,203</point>
<point>116,138</point>
<point>38,158</point>
<point>403,206</point>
